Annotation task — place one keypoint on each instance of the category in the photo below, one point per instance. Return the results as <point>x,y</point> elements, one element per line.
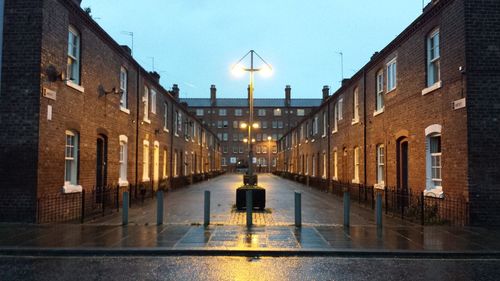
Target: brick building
<point>273,116</point>
<point>422,115</point>
<point>77,112</point>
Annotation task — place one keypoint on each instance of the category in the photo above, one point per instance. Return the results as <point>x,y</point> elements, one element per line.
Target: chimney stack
<point>156,76</point>
<point>326,92</point>
<point>345,81</point>
<point>175,91</point>
<point>288,95</point>
<point>127,49</point>
<point>213,95</point>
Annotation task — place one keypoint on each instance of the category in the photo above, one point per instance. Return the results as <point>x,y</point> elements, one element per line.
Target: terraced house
<point>80,116</point>
<point>422,116</point>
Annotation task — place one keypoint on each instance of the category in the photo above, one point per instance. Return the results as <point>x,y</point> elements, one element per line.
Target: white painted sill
<point>146,121</point>
<point>390,91</point>
<point>378,112</point>
<point>334,131</point>
<point>435,192</point>
<point>166,130</point>
<point>124,110</point>
<point>122,182</point>
<point>355,121</point>
<point>70,188</point>
<point>145,179</point>
<point>75,86</point>
<point>432,88</point>
<point>355,181</point>
<point>380,185</point>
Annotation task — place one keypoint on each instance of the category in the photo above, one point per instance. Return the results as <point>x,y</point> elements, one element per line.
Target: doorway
<point>101,165</point>
<point>402,170</point>
<point>156,165</point>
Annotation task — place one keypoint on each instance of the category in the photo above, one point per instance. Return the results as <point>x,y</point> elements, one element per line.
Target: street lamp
<point>238,70</point>
<point>269,154</point>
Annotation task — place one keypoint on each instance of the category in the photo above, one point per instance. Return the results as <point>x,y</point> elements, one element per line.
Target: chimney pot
<point>326,92</point>
<point>288,95</point>
<point>175,91</point>
<point>213,95</point>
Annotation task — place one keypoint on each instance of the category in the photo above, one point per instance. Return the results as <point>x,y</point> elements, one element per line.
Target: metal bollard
<point>125,208</point>
<point>159,207</point>
<point>378,209</point>
<point>347,207</point>
<point>298,209</point>
<point>249,207</point>
<point>206,217</point>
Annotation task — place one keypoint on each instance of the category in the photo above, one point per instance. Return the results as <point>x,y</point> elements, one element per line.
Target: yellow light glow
<point>266,71</point>
<point>243,125</point>
<point>237,70</point>
<point>245,140</point>
<point>253,140</point>
<point>269,138</point>
<point>255,125</point>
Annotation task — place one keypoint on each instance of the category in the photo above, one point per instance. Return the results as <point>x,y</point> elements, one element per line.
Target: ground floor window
<point>335,165</point>
<point>122,181</point>
<point>71,158</point>
<point>356,165</point>
<point>380,164</point>
<point>145,161</point>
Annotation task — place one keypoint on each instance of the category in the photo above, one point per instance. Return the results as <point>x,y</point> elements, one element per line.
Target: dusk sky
<point>194,43</point>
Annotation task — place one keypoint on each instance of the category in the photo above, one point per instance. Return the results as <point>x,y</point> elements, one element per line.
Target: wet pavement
<point>242,268</point>
<point>185,205</point>
<point>167,238</point>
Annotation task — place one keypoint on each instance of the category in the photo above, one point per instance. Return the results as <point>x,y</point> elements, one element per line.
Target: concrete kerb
<point>304,252</point>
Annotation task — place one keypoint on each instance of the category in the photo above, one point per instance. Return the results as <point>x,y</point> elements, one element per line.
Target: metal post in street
<point>159,207</point>
<point>347,208</point>
<point>269,154</point>
<point>206,214</point>
<point>125,208</point>
<point>298,209</point>
<point>249,207</point>
<point>378,209</point>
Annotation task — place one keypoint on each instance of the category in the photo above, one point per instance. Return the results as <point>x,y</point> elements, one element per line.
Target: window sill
<point>334,131</point>
<point>378,112</point>
<point>122,182</point>
<point>435,192</point>
<point>432,88</point>
<point>355,121</point>
<point>146,121</point>
<point>145,179</point>
<point>166,130</point>
<point>124,110</point>
<point>70,188</point>
<point>380,185</point>
<point>323,136</point>
<point>356,181</point>
<point>75,86</point>
<point>390,91</point>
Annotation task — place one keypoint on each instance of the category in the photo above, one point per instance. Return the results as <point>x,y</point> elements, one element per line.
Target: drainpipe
<point>172,113</point>
<point>138,99</point>
<point>329,145</point>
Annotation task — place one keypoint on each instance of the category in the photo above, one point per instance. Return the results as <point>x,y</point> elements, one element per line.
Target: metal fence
<point>406,204</point>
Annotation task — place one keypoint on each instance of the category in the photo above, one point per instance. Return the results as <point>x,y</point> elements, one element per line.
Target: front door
<point>101,164</point>
<point>402,166</point>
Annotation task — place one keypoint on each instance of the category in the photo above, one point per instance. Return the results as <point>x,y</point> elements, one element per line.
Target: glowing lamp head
<point>237,70</point>
<point>243,125</point>
<point>269,138</point>
<point>253,140</point>
<point>255,125</point>
<point>266,71</point>
<point>245,140</point>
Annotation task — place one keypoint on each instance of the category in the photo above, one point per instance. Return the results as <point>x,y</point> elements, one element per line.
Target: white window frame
<point>313,166</point>
<point>341,109</point>
<point>392,75</point>
<point>71,162</point>
<point>165,161</point>
<point>355,104</point>
<point>433,58</point>
<point>74,56</point>
<point>123,160</point>
<point>379,98</point>
<point>200,112</point>
<point>380,165</point>
<point>124,89</point>
<point>153,101</point>
<point>176,163</point>
<point>335,117</point>
<point>335,165</point>
<point>238,112</point>
<point>261,112</point>
<point>301,112</point>
<point>324,165</point>
<point>277,112</point>
<point>165,117</point>
<point>145,101</point>
<point>434,186</point>
<point>222,112</point>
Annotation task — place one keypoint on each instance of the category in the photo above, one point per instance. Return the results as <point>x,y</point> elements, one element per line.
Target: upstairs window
<point>340,107</point>
<point>301,112</point>
<point>325,123</point>
<point>335,116</point>
<point>222,112</point>
<point>433,59</point>
<point>277,112</point>
<point>73,66</point>
<point>153,101</point>
<point>199,112</point>
<point>238,112</point>
<point>391,75</point>
<point>145,100</point>
<point>165,116</point>
<point>261,112</point>
<point>355,106</point>
<point>379,100</point>
<point>123,88</point>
